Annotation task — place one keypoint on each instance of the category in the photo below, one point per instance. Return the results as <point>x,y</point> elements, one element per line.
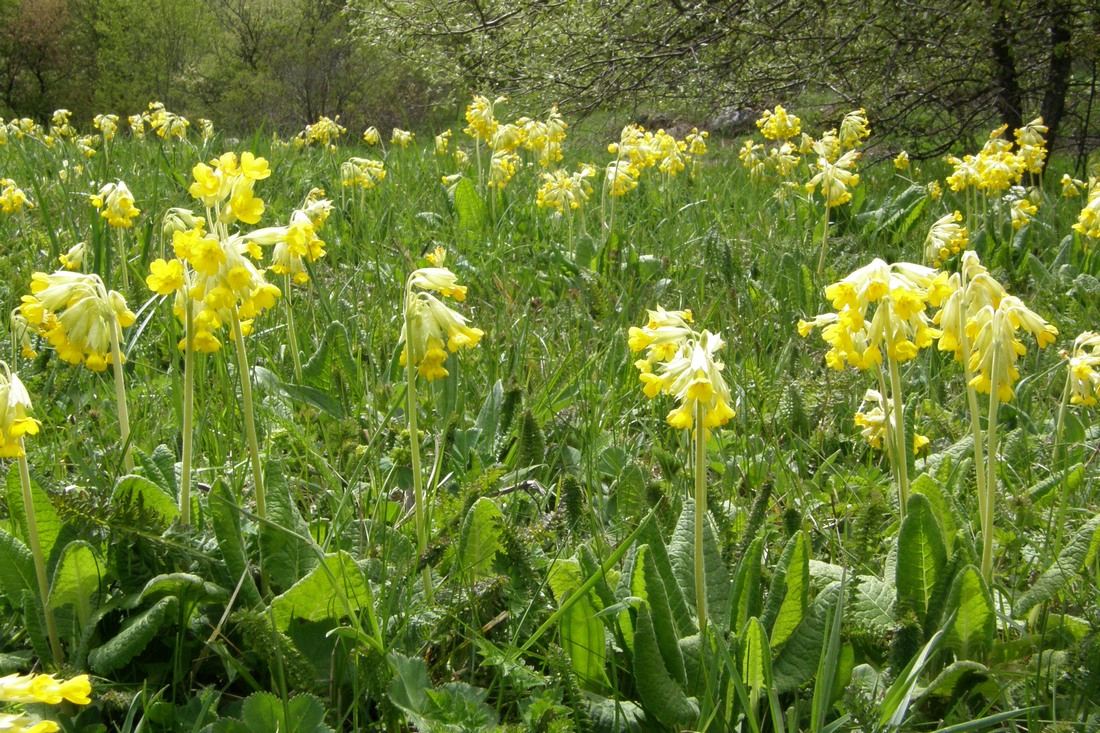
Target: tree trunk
<point>1058,71</point>
<point>1009,99</point>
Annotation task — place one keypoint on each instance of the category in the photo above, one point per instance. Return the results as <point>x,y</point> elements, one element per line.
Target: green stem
<point>1063,499</point>
<point>188,414</point>
<point>249,415</point>
<point>39,562</point>
<point>900,445</point>
<point>120,395</point>
<point>986,510</point>
<point>414,446</point>
<point>824,244</point>
<point>123,261</point>
<point>889,442</point>
<point>700,516</point>
<point>292,330</point>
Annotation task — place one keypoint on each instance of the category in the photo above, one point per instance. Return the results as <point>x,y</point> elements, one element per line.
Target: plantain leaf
<point>480,539</point>
<point>469,208</point>
<point>747,596</point>
<point>754,665</point>
<point>789,592</point>
<point>77,580</point>
<point>334,589</point>
<point>138,492</point>
<point>872,605</point>
<point>582,632</point>
<point>969,615</point>
<point>134,637</point>
<point>921,556</point>
<point>657,690</point>
<point>646,584</point>
<point>933,491</point>
<point>16,569</point>
<point>333,351</point>
<point>286,547</point>
<point>685,623</point>
<point>1072,561</point>
<point>798,660</point>
<point>681,552</point>
<point>226,520</point>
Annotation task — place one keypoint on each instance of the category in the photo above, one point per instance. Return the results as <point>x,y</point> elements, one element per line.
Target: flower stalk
<point>39,562</point>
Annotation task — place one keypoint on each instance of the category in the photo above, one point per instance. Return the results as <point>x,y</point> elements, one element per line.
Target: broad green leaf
<point>480,539</point>
<point>789,592</point>
<point>16,569</point>
<point>334,589</point>
<point>134,637</point>
<point>185,586</point>
<point>681,552</point>
<point>470,210</point>
<point>263,712</point>
<point>931,489</point>
<point>488,417</point>
<point>409,687</point>
<point>139,493</point>
<point>871,605</point>
<point>46,519</point>
<point>77,580</point>
<point>582,632</point>
<point>685,622</point>
<point>921,556</point>
<point>747,596</point>
<point>286,548</point>
<point>630,491</point>
<point>798,660</point>
<point>657,690</point>
<point>160,468</point>
<point>1072,476</point>
<point>970,615</point>
<point>1076,556</point>
<point>754,648</point>
<point>226,521</point>
<point>647,585</point>
<point>946,683</point>
<point>320,370</point>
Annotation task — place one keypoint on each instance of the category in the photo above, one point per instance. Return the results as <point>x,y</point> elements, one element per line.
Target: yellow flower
<point>1084,370</point>
<point>835,178</point>
<point>853,129</point>
<point>12,198</point>
<point>995,348</point>
<point>324,131</point>
<point>14,424</point>
<point>1022,212</point>
<point>1071,187</point>
<point>107,125</point>
<point>482,123</point>
<point>778,125</point>
<point>901,162</point>
<point>20,723</point>
<point>73,259</point>
<point>945,238</point>
<point>401,137</point>
<point>362,172</point>
<point>371,136</point>
<point>502,168</point>
<point>433,323</point>
<point>117,204</point>
<point>45,688</point>
<point>1088,221</point>
<point>561,191</point>
<point>165,277</point>
<point>621,177</point>
<point>875,422</point>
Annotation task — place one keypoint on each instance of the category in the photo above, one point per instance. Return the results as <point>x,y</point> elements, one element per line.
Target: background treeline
<point>931,71</point>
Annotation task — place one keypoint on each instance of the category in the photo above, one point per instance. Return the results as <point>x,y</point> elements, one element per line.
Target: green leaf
<point>263,712</point>
<point>789,591</point>
<point>488,417</point>
<point>77,580</point>
<point>681,552</point>
<point>334,589</point>
<point>747,596</point>
<point>646,584</point>
<point>685,622</point>
<point>16,569</point>
<point>226,521</point>
<point>134,637</point>
<point>582,632</point>
<point>657,690</point>
<point>798,660</point>
<point>185,586</point>
<point>409,687</point>
<point>160,468</point>
<point>871,606</point>
<point>480,539</point>
<point>1072,561</point>
<point>921,556</point>
<point>630,492</point>
<point>141,494</point>
<point>969,615</point>
<point>287,551</point>
<point>317,372</point>
<point>46,519</point>
<point>470,209</point>
<point>933,491</point>
<point>755,656</point>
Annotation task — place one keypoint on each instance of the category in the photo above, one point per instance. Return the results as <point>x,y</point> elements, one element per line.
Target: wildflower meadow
<point>526,425</point>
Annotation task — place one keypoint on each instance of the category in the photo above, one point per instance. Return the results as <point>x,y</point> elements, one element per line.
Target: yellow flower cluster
<point>778,125</point>
<point>997,166</point>
<point>59,125</point>
<point>687,368</point>
<point>1084,369</point>
<point>1088,221</point>
<point>481,119</point>
<point>638,149</point>
<point>77,315</point>
<point>900,293</point>
<point>107,125</point>
<point>298,242</point>
<point>371,136</point>
<point>835,178</point>
<point>73,258</point>
<point>404,138</point>
<point>430,325</point>
<point>12,198</point>
<point>875,422</point>
<point>945,238</point>
<point>561,191</point>
<point>225,187</point>
<point>166,124</point>
<point>324,131</point>
<point>116,205</point>
<point>44,689</point>
<point>14,424</point>
<point>362,172</point>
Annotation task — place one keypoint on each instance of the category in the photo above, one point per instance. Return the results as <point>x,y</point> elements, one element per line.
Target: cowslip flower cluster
<point>12,198</point>
<point>116,205</point>
<point>778,125</point>
<point>563,191</point>
<point>324,131</point>
<point>681,362</point>
<point>296,243</point>
<point>945,238</point>
<point>544,137</point>
<point>404,138</point>
<point>639,149</point>
<point>78,316</point>
<point>854,129</point>
<point>430,325</point>
<point>1088,221</point>
<point>480,118</point>
<point>901,161</point>
<point>502,167</point>
<point>225,187</point>
<point>107,125</point>
<point>1084,369</point>
<point>997,166</point>
<point>362,172</point>
<point>14,424</point>
<point>900,292</point>
<point>835,178</point>
<point>166,124</point>
<point>876,422</point>
<point>371,136</point>
<point>73,258</point>
<point>44,689</point>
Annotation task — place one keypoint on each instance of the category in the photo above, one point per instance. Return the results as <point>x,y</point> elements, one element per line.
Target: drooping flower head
<point>778,125</point>
<point>562,191</point>
<point>835,179</point>
<point>682,362</point>
<point>12,198</point>
<point>436,329</point>
<point>14,424</point>
<point>854,129</point>
<point>481,121</point>
<point>116,205</point>
<point>225,187</point>
<point>945,238</point>
<point>363,172</point>
<point>876,422</point>
<point>1088,221</point>
<point>1084,369</point>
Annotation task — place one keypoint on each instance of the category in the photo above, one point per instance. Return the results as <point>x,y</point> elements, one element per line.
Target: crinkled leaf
<point>334,589</point>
